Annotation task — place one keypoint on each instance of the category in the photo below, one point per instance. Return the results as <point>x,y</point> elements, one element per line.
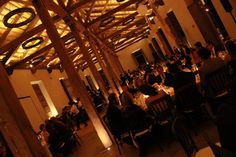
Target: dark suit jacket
<point>179,79</point>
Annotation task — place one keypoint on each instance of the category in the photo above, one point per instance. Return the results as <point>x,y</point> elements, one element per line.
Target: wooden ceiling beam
<point>39,52</point>
<point>128,41</point>
<point>131,43</point>
<point>104,7</point>
<point>118,22</point>
<point>45,63</point>
<point>90,10</point>
<point>69,3</point>
<point>114,46</point>
<point>39,28</point>
<point>134,31</point>
<point>124,29</point>
<point>96,10</point>
<point>2,2</point>
<point>113,11</point>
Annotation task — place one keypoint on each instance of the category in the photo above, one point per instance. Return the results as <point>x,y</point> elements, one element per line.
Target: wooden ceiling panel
<point>89,13</point>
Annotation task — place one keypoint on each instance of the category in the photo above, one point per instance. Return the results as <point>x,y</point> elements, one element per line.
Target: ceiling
<point>24,42</point>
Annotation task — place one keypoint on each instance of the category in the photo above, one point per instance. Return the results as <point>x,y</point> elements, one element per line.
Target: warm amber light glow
<point>102,133</point>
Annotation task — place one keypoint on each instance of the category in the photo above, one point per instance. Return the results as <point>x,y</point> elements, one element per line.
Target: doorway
<point>44,98</point>
<point>139,57</point>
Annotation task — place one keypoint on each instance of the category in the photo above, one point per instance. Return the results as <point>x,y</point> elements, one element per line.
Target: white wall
<point>227,20</point>
<point>185,19</point>
<point>20,79</point>
<point>127,60</point>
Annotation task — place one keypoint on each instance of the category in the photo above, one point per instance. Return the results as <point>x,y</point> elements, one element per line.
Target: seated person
<point>178,79</point>
<point>153,77</point>
<point>114,117</point>
<point>135,118</point>
<point>231,57</point>
<point>126,97</point>
<point>144,88</point>
<point>208,66</point>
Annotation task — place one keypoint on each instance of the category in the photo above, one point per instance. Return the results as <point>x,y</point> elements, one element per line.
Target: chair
<point>139,124</point>
<point>118,140</point>
<point>188,98</point>
<point>215,87</point>
<point>162,109</point>
<point>189,103</point>
<point>216,81</point>
<point>183,135</point>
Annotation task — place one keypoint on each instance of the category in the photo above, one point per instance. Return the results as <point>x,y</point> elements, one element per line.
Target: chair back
<point>183,135</point>
<point>161,108</point>
<point>216,82</point>
<point>188,97</point>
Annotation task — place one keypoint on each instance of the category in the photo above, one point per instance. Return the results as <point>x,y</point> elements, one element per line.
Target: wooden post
<point>87,56</point>
<point>109,62</point>
<point>15,125</point>
<point>163,48</point>
<point>162,23</point>
<point>103,66</point>
<point>115,65</point>
<point>104,53</point>
<point>118,63</point>
<point>72,74</point>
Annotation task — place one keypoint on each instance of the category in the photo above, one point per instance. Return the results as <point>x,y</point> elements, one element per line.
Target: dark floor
<point>92,147</point>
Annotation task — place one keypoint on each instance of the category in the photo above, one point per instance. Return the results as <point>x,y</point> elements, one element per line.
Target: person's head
<point>124,87</point>
<point>139,82</point>
<point>173,68</point>
<point>204,53</point>
<point>70,103</point>
<point>42,127</point>
<point>112,99</point>
<point>160,70</point>
<point>231,47</point>
<point>198,45</point>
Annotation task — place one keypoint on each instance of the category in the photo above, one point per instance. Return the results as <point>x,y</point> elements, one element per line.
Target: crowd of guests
<point>130,110</point>
<point>58,133</point>
<point>176,71</point>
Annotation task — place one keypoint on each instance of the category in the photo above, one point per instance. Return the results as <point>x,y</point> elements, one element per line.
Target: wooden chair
<point>216,83</point>
<point>189,102</point>
<point>161,108</point>
<point>184,137</point>
<point>118,140</point>
<point>215,87</point>
<point>188,98</point>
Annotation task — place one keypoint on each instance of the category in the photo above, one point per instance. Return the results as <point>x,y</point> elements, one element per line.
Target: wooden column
<point>153,30</point>
<point>14,124</point>
<point>162,23</point>
<point>104,52</point>
<point>103,66</point>
<point>72,74</point>
<point>118,63</point>
<point>110,65</point>
<point>114,61</point>
<point>87,56</point>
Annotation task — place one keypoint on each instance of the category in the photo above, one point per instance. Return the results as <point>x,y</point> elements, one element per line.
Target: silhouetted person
<point>226,121</point>
<point>114,117</point>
